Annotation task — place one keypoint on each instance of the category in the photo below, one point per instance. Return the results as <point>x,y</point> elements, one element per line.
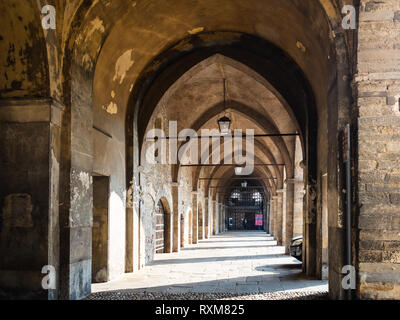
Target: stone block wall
<point>29,163</point>
<point>378,89</point>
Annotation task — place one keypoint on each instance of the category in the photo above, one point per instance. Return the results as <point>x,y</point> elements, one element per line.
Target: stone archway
<point>160,228</point>
<point>86,98</point>
<point>163,227</point>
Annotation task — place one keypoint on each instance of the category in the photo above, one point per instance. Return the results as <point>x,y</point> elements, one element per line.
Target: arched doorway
<point>162,216</point>
<point>246,206</point>
<point>289,68</point>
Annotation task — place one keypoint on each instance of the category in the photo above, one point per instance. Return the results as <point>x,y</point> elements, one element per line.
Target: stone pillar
<point>288,236</point>
<point>275,216</point>
<point>223,219</point>
<point>298,184</point>
<point>211,218</point>
<point>378,87</point>
<point>76,198</point>
<point>206,218</point>
<point>215,220</point>
<point>226,217</point>
<point>284,216</point>
<point>176,234</point>
<point>195,221</point>
<point>298,208</point>
<point>271,222</point>
<point>279,215</point>
<point>267,222</point>
<point>220,217</point>
<point>201,222</point>
<point>29,193</point>
<point>310,230</point>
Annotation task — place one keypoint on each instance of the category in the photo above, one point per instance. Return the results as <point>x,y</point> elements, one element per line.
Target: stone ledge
<point>31,110</point>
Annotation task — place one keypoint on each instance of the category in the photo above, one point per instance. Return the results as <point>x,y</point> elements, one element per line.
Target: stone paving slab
<point>240,263</point>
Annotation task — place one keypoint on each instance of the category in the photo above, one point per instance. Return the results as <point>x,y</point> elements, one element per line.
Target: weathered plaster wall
<point>29,227</point>
<point>23,57</point>
<point>24,204</point>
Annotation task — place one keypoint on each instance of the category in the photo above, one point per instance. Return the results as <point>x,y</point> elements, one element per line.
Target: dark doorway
<point>101,191</point>
<point>160,228</point>
<point>246,208</point>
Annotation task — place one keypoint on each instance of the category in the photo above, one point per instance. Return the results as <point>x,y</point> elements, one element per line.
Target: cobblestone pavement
<point>234,265</point>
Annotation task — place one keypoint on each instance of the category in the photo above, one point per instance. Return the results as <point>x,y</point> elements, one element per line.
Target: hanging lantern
<point>224,125</point>
<point>244,184</point>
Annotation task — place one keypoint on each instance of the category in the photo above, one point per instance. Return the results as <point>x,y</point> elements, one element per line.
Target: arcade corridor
<point>135,134</point>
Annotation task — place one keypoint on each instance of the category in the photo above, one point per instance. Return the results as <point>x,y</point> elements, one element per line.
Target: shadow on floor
<point>253,285</point>
<point>228,247</point>
<point>213,259</point>
<point>241,241</point>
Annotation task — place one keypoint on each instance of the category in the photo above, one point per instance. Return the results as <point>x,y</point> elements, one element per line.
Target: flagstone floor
<point>230,265</point>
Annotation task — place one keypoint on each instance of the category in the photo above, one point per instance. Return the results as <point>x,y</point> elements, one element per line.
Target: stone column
<point>214,215</point>
<point>274,216</point>
<point>288,236</point>
<point>269,230</point>
<point>284,216</point>
<point>217,220</point>
<point>201,222</point>
<point>195,218</point>
<point>210,218</point>
<point>206,218</point>
<point>298,184</point>
<point>76,198</point>
<point>279,216</point>
<point>221,221</point>
<point>298,207</point>
<point>378,124</point>
<point>225,216</point>
<point>271,216</point>
<point>29,192</point>
<point>310,230</point>
<point>176,234</point>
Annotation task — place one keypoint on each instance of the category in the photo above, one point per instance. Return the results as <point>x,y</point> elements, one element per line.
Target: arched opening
<point>163,234</point>
<point>246,206</point>
<point>119,70</point>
